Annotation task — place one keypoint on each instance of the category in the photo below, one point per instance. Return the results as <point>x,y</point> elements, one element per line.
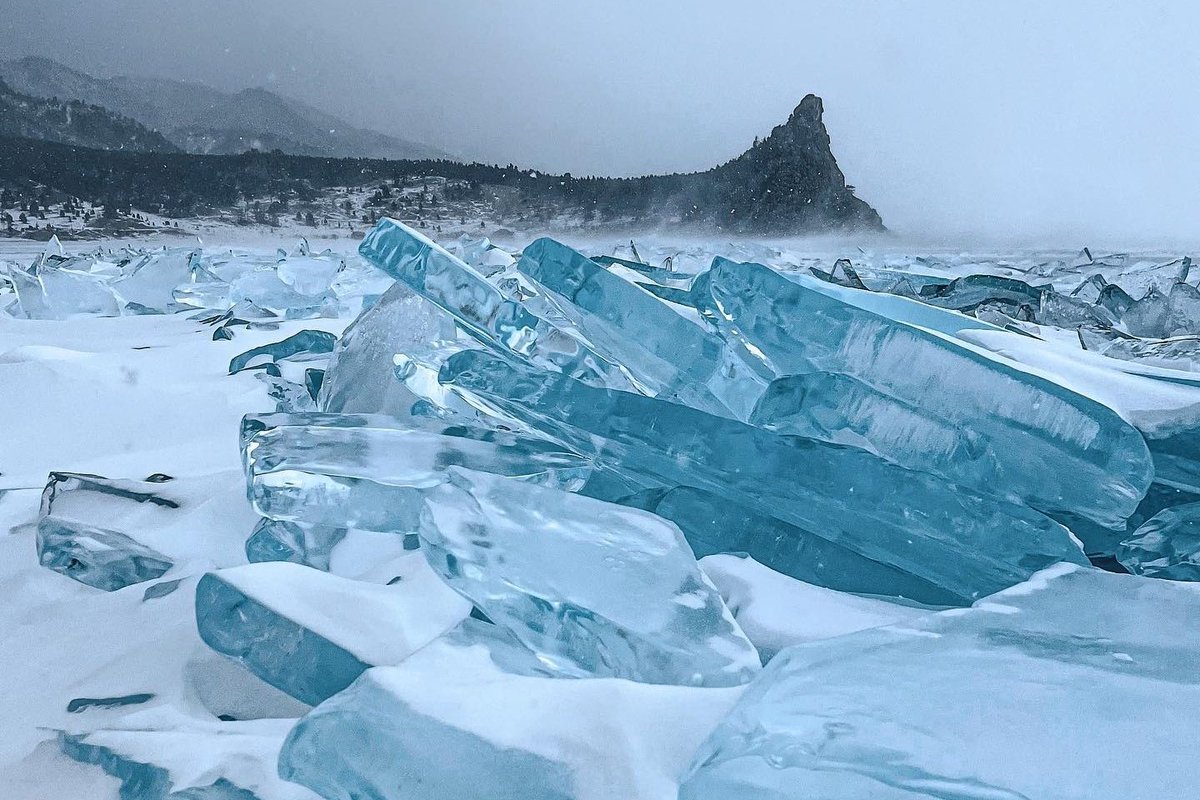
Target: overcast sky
<point>1058,121</point>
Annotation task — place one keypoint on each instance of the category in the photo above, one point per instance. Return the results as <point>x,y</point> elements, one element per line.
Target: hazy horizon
<point>996,121</point>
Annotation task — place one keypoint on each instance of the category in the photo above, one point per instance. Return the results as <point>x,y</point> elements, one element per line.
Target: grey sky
<point>1060,121</point>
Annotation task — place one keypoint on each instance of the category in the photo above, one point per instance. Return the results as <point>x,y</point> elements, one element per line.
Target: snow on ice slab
<point>776,611</point>
<point>1166,411</point>
<point>449,723</point>
<point>1026,437</point>
<point>1073,686</point>
<point>595,589</point>
<point>968,545</point>
<point>165,756</point>
<point>310,633</point>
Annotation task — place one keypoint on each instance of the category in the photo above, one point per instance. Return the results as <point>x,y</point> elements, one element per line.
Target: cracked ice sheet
<point>126,396</point>
<point>65,389</point>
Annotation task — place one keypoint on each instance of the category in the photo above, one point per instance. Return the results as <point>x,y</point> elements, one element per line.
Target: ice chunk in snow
<point>105,559</point>
<point>310,633</point>
<point>595,589</point>
<point>448,723</point>
<point>1165,546</point>
<point>497,322</point>
<point>1174,312</point>
<point>148,282</point>
<point>776,611</point>
<point>1071,686</point>
<point>299,543</point>
<point>360,377</point>
<point>100,557</point>
<point>172,757</point>
<point>1147,276</point>
<point>366,472</point>
<point>110,533</point>
<point>1030,438</point>
<point>967,544</point>
<point>309,275</point>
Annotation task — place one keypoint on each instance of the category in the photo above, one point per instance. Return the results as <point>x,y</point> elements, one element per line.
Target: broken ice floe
<point>1069,686</point>
<point>846,446</point>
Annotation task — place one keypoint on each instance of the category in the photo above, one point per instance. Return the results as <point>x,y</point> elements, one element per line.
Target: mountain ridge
<point>74,122</point>
<point>199,118</point>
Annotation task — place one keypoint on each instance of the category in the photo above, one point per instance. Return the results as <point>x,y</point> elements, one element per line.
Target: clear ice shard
<point>921,393</point>
<point>147,283</point>
<point>669,355</point>
<point>307,342</point>
<point>53,292</point>
<point>1165,546</point>
<point>299,543</point>
<point>964,543</point>
<point>1053,689</point>
<point>360,378</point>
<point>1171,312</point>
<point>450,723</point>
<point>368,472</point>
<point>502,324</point>
<point>1146,276</point>
<point>593,588</point>
<point>310,633</point>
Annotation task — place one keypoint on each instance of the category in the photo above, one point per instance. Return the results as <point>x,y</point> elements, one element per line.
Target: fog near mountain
<point>201,119</point>
<point>74,123</point>
<point>1056,122</point>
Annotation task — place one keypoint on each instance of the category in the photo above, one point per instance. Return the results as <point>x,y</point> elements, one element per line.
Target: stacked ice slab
<point>860,431</point>
<point>561,443</point>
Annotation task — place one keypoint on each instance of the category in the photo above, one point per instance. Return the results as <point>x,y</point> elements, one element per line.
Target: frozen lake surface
<point>517,498</point>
